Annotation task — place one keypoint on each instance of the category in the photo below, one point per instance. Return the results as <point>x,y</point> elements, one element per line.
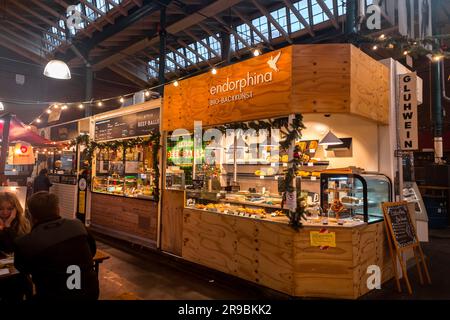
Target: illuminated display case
<point>126,173</point>
<point>354,196</point>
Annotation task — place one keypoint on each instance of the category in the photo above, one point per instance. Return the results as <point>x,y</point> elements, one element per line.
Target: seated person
<point>58,253</point>
<point>13,222</point>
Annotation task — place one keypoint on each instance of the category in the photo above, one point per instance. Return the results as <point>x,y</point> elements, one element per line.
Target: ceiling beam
<point>187,47</point>
<point>98,11</point>
<point>122,10</point>
<point>32,24</point>
<point>23,39</point>
<point>127,74</point>
<point>255,30</point>
<point>37,15</point>
<point>87,21</point>
<point>328,12</point>
<point>204,43</point>
<point>183,56</point>
<point>55,13</point>
<point>31,33</point>
<point>299,16</point>
<point>265,12</point>
<point>229,29</point>
<point>182,24</point>
<point>21,49</point>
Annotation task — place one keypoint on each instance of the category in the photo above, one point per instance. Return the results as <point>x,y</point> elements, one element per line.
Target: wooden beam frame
<point>24,40</point>
<point>224,25</point>
<point>124,72</point>
<point>299,16</point>
<point>205,44</point>
<point>98,11</point>
<point>269,17</point>
<point>183,56</point>
<point>186,46</point>
<point>255,30</point>
<point>87,21</point>
<point>122,10</point>
<point>21,49</point>
<point>328,12</point>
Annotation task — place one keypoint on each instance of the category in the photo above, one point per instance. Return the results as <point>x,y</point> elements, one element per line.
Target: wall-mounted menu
<point>130,125</point>
<point>402,229</point>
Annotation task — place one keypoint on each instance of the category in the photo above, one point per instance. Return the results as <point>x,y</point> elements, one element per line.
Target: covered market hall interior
<point>224,150</point>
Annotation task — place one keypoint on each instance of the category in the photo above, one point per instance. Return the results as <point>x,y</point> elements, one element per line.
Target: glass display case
<point>126,173</point>
<point>354,197</point>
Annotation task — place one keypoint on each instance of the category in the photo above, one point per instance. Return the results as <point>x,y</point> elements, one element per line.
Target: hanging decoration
<point>153,141</point>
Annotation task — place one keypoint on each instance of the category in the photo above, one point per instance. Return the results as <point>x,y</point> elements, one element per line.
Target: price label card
<point>285,164</point>
<point>273,164</point>
<point>261,177</point>
<point>310,164</point>
<point>313,178</point>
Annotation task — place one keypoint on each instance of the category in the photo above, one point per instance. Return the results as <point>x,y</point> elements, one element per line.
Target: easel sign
<point>402,236</point>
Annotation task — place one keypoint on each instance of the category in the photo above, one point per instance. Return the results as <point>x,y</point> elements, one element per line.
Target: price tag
<point>312,150</point>
<point>285,164</point>
<point>310,164</point>
<point>313,178</point>
<point>261,177</point>
<point>273,164</point>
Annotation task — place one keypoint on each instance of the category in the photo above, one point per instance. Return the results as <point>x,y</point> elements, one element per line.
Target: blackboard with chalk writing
<point>400,224</point>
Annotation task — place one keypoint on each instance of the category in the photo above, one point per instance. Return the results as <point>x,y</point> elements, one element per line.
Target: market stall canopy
<point>18,131</point>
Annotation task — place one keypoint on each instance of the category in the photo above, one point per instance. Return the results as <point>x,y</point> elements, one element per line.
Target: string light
<point>405,53</point>
<point>214,71</point>
<point>256,52</point>
<point>176,84</point>
<point>147,94</point>
<point>64,107</point>
<point>375,47</point>
<point>80,106</point>
<point>391,46</point>
<point>99,104</point>
<point>437,57</point>
<point>382,37</point>
<point>56,106</point>
<point>38,120</point>
<point>121,100</point>
<point>49,111</point>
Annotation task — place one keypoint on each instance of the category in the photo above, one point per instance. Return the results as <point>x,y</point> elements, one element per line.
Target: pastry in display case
<point>124,172</point>
<point>354,197</point>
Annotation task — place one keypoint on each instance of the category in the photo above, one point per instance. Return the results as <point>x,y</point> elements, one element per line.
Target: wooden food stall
<point>124,193</point>
<point>235,224</point>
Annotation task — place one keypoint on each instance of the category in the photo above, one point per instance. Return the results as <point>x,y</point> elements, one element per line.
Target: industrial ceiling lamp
<point>57,69</point>
<point>330,140</point>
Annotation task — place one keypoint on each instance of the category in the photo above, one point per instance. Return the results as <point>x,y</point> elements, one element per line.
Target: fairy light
<point>80,106</point>
<point>38,120</point>
<point>437,57</point>
<point>405,53</point>
<point>375,47</point>
<point>147,93</point>
<point>256,52</point>
<point>382,37</point>
<point>214,71</point>
<point>122,100</point>
<point>49,111</point>
<point>64,107</point>
<point>56,106</point>
<point>176,84</point>
<point>99,104</point>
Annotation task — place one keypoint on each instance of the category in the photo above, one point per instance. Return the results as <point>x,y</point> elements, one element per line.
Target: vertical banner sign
<point>81,207</point>
<point>408,112</point>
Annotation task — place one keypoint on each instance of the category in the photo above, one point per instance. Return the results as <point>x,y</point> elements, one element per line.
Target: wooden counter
<point>276,256</point>
<point>130,219</point>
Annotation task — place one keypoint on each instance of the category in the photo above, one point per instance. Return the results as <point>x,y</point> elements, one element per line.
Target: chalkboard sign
<point>399,222</point>
<point>130,125</point>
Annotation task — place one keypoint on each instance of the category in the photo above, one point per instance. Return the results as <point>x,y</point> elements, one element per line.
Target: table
<point>99,257</point>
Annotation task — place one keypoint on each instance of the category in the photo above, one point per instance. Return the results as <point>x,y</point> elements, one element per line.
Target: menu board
<point>130,125</point>
<point>400,224</point>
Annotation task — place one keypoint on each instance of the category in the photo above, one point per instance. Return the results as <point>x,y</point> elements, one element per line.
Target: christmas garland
<point>290,133</point>
<point>153,140</point>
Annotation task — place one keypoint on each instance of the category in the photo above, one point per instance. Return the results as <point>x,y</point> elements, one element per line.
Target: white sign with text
<point>407,113</point>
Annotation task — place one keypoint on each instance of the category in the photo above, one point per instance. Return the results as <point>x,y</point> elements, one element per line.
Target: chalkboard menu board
<point>130,125</point>
<point>400,224</point>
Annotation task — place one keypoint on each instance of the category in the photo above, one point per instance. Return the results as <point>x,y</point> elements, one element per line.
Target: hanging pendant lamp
<point>57,69</point>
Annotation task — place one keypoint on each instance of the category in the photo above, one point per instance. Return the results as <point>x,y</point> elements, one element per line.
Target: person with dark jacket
<point>57,253</point>
<point>42,182</point>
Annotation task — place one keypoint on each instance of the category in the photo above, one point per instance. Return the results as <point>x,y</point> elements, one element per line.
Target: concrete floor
<point>134,273</point>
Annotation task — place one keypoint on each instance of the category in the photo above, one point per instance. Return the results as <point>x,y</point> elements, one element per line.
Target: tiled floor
<point>133,274</point>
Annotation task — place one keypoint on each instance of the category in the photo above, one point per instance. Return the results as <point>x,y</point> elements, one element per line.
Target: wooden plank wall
<point>276,256</point>
<point>370,90</point>
<point>135,217</point>
<point>172,221</point>
<point>321,78</point>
